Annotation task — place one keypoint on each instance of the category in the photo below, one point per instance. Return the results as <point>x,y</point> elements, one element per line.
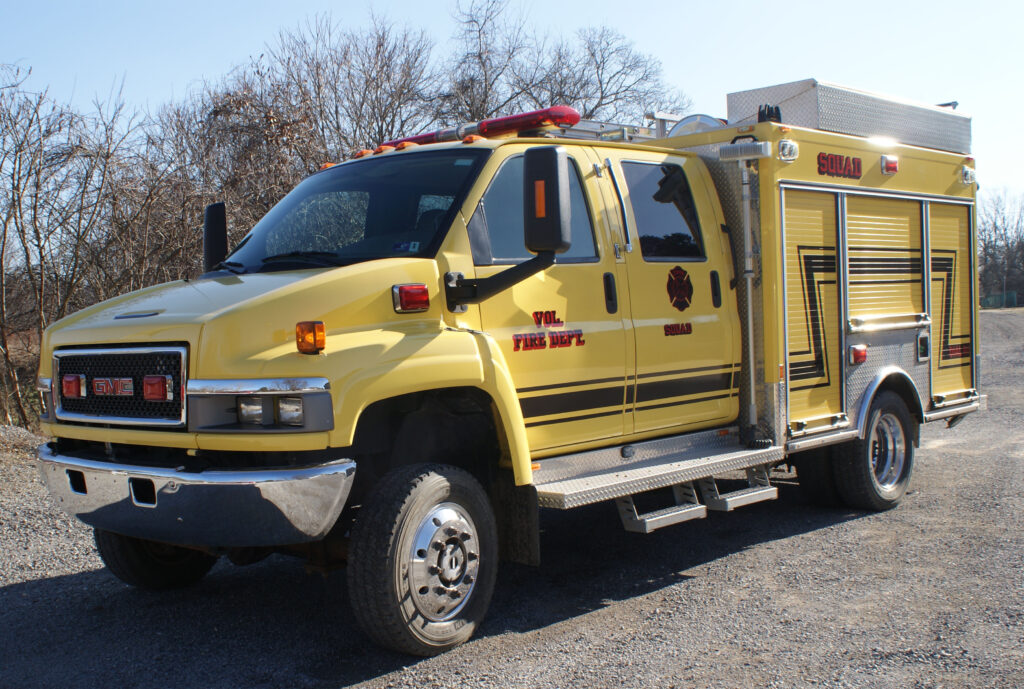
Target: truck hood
<point>179,303</point>
<point>241,321</point>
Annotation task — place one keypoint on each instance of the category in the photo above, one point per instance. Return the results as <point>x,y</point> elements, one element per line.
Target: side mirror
<point>215,235</point>
<point>547,217</point>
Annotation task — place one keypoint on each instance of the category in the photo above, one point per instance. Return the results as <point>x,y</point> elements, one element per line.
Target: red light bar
<point>555,116</point>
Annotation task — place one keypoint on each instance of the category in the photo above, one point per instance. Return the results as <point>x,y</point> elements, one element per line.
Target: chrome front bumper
<point>210,508</point>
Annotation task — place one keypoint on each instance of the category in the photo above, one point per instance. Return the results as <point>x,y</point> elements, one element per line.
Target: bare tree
<point>1001,244</point>
<point>481,82</point>
<point>602,75</point>
<point>389,84</point>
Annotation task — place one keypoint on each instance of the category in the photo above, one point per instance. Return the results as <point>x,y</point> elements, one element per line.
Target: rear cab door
<point>679,267</point>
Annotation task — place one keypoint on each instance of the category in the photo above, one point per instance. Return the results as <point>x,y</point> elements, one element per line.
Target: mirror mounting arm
<point>462,291</point>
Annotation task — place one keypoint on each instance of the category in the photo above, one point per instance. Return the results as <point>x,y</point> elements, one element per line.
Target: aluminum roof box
<point>818,105</point>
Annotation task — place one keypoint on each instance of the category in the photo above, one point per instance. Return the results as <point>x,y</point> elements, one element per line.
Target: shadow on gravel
<point>273,625</point>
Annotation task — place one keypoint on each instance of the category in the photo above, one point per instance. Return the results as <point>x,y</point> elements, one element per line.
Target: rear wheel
<point>423,559</point>
<point>874,473</point>
<point>151,565</point>
<point>816,477</point>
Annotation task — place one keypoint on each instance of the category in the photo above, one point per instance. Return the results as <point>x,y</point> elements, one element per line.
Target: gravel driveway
<point>779,594</point>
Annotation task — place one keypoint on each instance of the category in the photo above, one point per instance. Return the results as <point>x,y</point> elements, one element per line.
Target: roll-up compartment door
<point>884,254</point>
<point>951,306</point>
<point>812,310</point>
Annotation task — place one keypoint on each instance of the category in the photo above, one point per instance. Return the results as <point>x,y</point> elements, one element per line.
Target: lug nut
<point>437,545</point>
<point>432,570</point>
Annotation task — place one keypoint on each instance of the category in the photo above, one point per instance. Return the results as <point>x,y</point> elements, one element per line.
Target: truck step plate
<point>739,498</point>
<point>649,521</point>
<point>581,479</point>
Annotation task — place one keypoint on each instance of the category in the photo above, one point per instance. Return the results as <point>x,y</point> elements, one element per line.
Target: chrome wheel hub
<point>888,450</point>
<point>443,562</point>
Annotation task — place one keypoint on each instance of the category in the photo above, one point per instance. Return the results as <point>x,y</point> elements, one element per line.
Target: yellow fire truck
<point>419,348</point>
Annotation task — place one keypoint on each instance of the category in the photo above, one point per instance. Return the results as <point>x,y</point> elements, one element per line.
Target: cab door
<point>685,327</point>
<point>558,329</point>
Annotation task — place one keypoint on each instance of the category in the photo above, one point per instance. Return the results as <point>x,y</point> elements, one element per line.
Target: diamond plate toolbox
<point>817,105</point>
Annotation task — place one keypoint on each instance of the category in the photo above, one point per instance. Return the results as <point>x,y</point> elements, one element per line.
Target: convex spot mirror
<point>547,219</point>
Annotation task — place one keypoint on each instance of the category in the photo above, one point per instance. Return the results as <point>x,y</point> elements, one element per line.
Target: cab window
<point>664,212</point>
<point>496,229</point>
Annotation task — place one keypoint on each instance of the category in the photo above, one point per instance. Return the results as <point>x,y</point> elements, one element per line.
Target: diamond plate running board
<point>581,479</point>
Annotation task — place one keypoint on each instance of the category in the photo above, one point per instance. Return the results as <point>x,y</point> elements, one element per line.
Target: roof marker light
<point>362,153</point>
<point>327,165</point>
<point>383,148</point>
<point>405,144</point>
<point>890,165</point>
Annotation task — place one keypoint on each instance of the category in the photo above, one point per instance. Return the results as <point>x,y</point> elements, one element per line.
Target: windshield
<point>380,207</point>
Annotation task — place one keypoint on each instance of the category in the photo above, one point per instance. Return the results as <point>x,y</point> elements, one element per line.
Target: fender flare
<point>884,377</point>
<point>467,359</point>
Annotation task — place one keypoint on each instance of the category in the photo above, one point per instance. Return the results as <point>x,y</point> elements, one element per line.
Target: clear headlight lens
<point>250,409</point>
<point>289,411</point>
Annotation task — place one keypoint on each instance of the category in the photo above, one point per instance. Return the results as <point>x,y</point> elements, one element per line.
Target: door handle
<point>611,299</point>
<point>716,290</point>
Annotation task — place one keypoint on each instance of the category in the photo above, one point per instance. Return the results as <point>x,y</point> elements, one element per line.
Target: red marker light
<point>890,165</point>
<point>157,388</point>
<point>72,385</point>
<point>410,298</point>
<point>858,354</point>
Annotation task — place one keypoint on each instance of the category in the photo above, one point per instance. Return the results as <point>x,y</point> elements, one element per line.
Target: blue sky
<point>930,52</point>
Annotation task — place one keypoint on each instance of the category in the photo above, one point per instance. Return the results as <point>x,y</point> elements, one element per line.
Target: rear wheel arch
<point>897,381</point>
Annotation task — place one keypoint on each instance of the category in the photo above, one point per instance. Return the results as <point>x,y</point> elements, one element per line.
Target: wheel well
<point>902,386</point>
<point>455,426</point>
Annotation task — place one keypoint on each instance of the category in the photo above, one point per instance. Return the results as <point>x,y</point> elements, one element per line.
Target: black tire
<point>423,559</point>
<point>151,565</point>
<point>815,474</point>
<point>873,473</point>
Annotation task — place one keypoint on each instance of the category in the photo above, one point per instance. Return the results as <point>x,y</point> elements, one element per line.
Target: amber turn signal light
<point>310,337</point>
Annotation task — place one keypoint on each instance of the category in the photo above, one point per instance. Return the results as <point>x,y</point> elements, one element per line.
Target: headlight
<point>250,409</point>
<point>289,411</point>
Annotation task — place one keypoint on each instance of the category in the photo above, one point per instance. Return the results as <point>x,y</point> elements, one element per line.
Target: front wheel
<point>423,559</point>
<point>874,473</point>
<point>151,565</point>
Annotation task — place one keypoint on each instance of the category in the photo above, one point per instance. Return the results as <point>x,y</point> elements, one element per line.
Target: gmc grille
<point>130,362</point>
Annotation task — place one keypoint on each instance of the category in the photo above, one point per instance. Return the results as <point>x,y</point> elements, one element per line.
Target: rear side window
<point>663,208</point>
<point>496,229</point>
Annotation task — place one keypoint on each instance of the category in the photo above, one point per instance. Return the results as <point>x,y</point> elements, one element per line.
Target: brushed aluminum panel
<point>817,105</point>
<point>886,349</point>
<point>582,482</point>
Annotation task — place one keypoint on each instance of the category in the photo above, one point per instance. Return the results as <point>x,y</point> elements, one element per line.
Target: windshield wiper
<point>231,266</point>
<point>321,258</point>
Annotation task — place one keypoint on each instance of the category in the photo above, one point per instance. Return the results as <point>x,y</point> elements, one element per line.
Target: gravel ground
<point>775,595</point>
